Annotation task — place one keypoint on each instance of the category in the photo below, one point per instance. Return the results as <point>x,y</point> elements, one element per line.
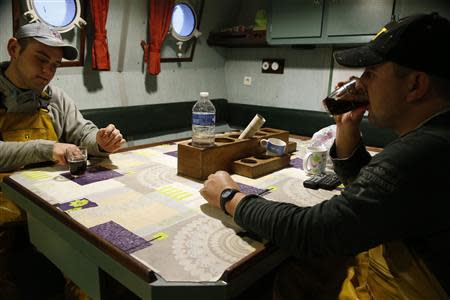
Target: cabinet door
<point>291,19</point>
<point>405,8</point>
<point>358,17</point>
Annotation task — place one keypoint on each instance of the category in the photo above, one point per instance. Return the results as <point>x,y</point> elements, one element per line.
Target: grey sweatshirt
<point>69,124</point>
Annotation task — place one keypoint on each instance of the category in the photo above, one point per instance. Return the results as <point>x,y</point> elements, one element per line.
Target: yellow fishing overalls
<point>17,127</point>
<point>391,271</point>
<point>387,272</point>
<point>22,127</point>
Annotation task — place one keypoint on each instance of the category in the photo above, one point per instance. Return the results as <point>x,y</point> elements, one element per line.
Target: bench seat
<point>155,122</point>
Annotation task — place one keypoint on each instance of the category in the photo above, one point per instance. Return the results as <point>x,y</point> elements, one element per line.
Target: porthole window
<point>62,15</point>
<point>184,21</point>
<point>179,44</point>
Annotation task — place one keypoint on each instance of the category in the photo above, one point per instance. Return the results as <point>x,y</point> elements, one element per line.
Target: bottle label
<point>204,119</point>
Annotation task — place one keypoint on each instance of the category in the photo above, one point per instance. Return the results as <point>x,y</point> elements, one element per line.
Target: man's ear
<point>418,86</point>
<point>13,48</point>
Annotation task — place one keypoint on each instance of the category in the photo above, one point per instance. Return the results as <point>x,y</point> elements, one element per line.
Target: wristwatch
<point>225,196</point>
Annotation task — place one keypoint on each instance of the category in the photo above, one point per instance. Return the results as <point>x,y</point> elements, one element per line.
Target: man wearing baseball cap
<point>38,123</point>
<point>48,36</point>
<point>394,211</point>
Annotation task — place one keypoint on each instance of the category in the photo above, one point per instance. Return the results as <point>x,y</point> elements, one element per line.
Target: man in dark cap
<point>394,211</point>
<point>38,123</point>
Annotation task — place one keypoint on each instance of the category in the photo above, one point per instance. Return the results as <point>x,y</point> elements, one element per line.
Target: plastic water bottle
<point>203,122</point>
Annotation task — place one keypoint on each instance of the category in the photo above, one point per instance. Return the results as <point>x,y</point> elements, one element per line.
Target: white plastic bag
<point>325,137</point>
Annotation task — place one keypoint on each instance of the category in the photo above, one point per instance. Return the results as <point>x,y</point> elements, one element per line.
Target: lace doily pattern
<point>292,190</point>
<point>205,255</point>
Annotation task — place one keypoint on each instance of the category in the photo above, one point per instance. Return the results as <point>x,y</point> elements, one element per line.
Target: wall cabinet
<point>339,21</point>
<point>357,17</point>
<point>296,18</point>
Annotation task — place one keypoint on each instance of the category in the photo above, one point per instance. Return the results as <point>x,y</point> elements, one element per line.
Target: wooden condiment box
<point>199,163</point>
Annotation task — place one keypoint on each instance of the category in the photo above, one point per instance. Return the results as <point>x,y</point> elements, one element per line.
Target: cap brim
<point>69,52</point>
<point>363,56</point>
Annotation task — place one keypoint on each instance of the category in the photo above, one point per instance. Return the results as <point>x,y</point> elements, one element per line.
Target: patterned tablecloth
<point>136,201</point>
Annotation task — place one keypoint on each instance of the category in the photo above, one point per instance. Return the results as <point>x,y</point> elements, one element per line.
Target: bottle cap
<point>204,94</point>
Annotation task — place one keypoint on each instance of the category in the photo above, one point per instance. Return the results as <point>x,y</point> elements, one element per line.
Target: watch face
<point>226,193</point>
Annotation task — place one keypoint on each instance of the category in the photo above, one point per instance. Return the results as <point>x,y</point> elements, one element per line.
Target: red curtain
<point>158,26</point>
<point>100,53</point>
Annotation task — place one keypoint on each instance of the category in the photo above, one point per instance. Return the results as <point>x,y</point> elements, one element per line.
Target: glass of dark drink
<point>345,98</point>
<point>77,159</point>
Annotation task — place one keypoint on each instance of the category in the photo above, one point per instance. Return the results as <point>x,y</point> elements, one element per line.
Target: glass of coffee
<point>77,159</point>
<point>345,98</point>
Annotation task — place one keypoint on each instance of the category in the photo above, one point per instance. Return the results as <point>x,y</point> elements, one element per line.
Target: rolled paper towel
<point>253,127</point>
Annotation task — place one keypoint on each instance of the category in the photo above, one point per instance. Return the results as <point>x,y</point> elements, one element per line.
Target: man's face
<point>36,65</point>
<point>386,93</point>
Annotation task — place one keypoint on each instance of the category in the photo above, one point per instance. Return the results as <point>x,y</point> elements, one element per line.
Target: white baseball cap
<point>48,36</point>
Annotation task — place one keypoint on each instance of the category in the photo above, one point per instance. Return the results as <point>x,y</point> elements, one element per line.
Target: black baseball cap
<point>420,42</point>
<point>48,36</point>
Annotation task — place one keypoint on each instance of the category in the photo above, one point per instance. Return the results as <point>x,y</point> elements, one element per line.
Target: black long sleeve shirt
<point>402,193</point>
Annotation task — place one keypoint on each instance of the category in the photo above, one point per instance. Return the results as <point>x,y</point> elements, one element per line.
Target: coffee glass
<point>77,159</point>
<point>345,98</point>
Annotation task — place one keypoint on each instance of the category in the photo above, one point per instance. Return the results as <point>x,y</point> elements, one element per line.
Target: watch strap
<point>224,200</point>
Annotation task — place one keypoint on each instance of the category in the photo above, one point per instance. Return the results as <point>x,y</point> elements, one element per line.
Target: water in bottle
<point>203,122</point>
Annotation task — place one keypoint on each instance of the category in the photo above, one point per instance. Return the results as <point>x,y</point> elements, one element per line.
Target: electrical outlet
<point>272,65</point>
<point>247,80</point>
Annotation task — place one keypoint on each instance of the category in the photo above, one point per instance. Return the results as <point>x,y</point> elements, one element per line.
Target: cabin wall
<point>220,71</point>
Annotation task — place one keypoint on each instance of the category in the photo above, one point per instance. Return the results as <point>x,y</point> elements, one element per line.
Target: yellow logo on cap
<point>380,32</point>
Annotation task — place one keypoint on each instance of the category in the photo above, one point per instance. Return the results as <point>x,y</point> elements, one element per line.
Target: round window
<point>184,21</point>
<point>62,15</point>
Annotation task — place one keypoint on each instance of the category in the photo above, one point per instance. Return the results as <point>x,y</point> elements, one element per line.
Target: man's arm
<point>73,128</point>
<point>338,226</point>
<point>348,152</point>
<point>348,168</point>
<point>70,125</point>
<point>14,155</point>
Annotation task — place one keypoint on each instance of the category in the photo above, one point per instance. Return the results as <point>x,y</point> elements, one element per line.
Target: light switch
<point>247,80</point>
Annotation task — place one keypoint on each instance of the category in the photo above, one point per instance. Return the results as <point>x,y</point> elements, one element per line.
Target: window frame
<point>193,40</point>
<point>19,19</point>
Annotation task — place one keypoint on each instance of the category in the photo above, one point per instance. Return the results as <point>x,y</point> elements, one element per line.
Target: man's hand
<point>109,139</point>
<point>348,134</point>
<point>215,184</point>
<point>59,152</point>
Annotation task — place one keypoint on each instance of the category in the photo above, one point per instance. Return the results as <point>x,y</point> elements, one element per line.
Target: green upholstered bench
<point>154,120</point>
<point>146,121</point>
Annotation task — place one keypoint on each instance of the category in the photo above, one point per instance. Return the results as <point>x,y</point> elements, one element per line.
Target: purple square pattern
<point>172,153</point>
<point>76,205</point>
<point>297,163</point>
<point>248,189</point>
<point>120,237</point>
<point>93,174</point>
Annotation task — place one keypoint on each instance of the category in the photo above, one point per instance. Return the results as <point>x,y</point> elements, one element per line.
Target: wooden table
<point>70,222</point>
